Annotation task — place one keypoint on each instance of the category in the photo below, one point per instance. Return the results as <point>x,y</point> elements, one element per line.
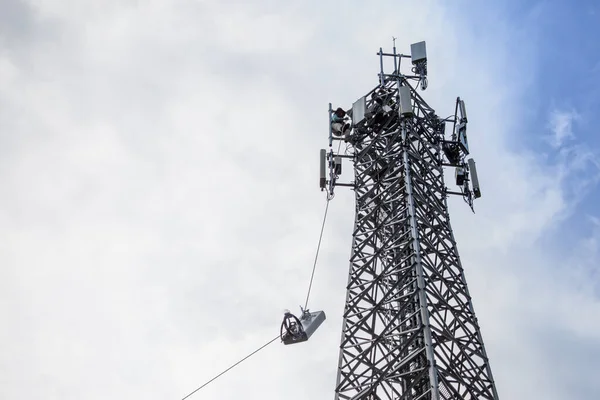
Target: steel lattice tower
<point>409,328</point>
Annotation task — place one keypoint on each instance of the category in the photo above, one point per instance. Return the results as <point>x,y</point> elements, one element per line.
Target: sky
<point>160,207</point>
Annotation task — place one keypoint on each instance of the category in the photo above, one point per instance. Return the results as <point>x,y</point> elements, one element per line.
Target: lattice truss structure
<point>409,328</point>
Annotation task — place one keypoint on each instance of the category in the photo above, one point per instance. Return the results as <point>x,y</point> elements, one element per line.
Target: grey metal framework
<point>409,329</point>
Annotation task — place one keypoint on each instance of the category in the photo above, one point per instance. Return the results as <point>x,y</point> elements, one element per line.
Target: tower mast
<point>409,328</point>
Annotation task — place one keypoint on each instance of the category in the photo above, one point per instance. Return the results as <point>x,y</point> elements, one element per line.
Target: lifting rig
<point>409,328</point>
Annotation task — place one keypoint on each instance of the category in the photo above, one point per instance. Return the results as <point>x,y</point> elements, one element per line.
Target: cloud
<point>160,204</point>
<point>16,21</point>
<point>561,124</point>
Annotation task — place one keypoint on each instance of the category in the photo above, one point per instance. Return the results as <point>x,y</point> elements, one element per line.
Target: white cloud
<point>561,124</point>
<point>160,205</point>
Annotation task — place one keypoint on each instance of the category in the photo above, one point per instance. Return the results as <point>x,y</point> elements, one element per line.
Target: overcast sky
<point>159,204</point>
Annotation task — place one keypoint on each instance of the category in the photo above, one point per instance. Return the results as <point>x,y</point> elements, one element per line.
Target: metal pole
<point>381,82</point>
<point>433,379</point>
<point>330,129</point>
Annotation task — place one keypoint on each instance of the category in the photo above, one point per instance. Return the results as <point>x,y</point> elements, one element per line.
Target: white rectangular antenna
<point>462,137</point>
<point>418,52</point>
<point>323,173</point>
<point>463,111</point>
<point>474,178</point>
<point>405,101</point>
<point>358,110</point>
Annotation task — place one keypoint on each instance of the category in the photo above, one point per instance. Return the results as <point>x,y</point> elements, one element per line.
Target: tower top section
<point>382,110</point>
<point>418,58</point>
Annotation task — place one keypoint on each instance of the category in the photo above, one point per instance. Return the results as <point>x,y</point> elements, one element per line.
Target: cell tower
<point>409,329</point>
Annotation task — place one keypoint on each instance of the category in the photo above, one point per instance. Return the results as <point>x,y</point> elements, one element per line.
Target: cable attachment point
<point>297,330</point>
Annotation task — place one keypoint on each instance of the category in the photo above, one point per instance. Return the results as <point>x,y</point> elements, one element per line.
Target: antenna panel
<point>405,101</point>
<point>474,178</point>
<point>322,169</point>
<point>418,52</point>
<point>463,111</point>
<point>358,110</point>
